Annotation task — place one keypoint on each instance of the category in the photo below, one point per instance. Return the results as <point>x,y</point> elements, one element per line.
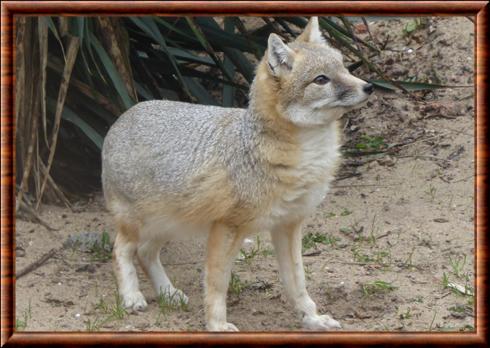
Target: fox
<point>173,169</point>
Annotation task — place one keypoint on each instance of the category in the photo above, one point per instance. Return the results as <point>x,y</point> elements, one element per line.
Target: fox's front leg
<point>287,243</point>
<point>223,246</point>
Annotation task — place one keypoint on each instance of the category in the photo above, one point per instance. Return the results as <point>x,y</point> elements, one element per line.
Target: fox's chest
<point>306,184</point>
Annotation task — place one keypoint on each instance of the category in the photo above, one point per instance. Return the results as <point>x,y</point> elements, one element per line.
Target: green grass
<point>370,143</point>
<point>236,285</point>
<point>21,323</point>
<point>457,265</point>
<point>310,240</point>
<point>257,250</point>
<point>102,251</point>
<point>408,263</point>
<point>461,308</point>
<point>431,192</point>
<point>406,315</point>
<point>168,302</point>
<point>377,287</point>
<point>345,212</point>
<point>308,272</point>
<point>467,327</point>
<point>114,310</point>
<point>110,312</point>
<point>95,324</point>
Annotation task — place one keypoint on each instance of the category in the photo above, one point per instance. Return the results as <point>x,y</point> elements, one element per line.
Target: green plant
<point>345,212</point>
<point>431,192</point>
<point>378,286</point>
<point>467,327</point>
<point>21,323</point>
<point>171,301</point>
<point>96,324</point>
<point>113,311</point>
<point>310,240</point>
<point>432,321</point>
<point>308,272</point>
<point>256,250</point>
<point>359,256</point>
<point>457,265</point>
<point>236,285</point>
<point>406,315</point>
<point>102,251</point>
<point>413,25</point>
<point>409,262</point>
<point>371,143</point>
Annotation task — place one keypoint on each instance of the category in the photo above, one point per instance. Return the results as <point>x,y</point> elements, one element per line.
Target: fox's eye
<point>321,80</point>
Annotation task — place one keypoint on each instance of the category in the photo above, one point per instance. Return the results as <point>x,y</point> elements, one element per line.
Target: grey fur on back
<point>156,147</point>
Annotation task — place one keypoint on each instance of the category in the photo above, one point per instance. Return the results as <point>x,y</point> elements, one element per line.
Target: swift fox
<point>173,168</point>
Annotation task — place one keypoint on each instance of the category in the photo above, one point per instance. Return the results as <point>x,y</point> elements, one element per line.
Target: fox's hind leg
<point>123,261</point>
<point>149,257</point>
<point>287,243</point>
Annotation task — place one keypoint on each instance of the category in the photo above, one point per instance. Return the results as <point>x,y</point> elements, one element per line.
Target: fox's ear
<point>280,57</point>
<point>312,33</point>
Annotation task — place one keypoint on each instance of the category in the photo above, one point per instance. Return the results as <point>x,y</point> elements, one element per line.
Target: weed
<point>432,321</point>
<point>112,311</point>
<point>445,280</point>
<point>457,265</point>
<point>382,257</point>
<point>360,257</point>
<point>413,25</point>
<point>118,311</point>
<point>467,327</point>
<point>409,262</point>
<point>171,301</point>
<point>345,212</point>
<point>378,286</point>
<point>419,299</point>
<point>102,251</point>
<point>461,309</point>
<point>345,230</point>
<point>310,240</point>
<point>431,192</point>
<point>256,250</point>
<point>406,315</point>
<point>21,324</point>
<point>96,324</point>
<point>308,272</point>
<point>236,285</point>
<point>330,215</point>
<point>372,236</point>
<point>371,143</point>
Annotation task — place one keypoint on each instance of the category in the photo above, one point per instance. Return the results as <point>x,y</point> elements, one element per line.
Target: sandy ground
<point>381,252</point>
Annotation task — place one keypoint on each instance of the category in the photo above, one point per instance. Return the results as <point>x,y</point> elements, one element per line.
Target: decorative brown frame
<point>478,9</point>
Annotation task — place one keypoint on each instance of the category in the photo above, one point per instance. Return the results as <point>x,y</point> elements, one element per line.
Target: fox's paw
<point>320,323</point>
<point>222,327</point>
<point>135,301</point>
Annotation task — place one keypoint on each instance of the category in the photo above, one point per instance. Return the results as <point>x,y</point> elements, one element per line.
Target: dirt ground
<point>384,251</point>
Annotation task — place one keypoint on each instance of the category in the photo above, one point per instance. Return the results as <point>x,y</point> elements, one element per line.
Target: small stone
<point>386,161</point>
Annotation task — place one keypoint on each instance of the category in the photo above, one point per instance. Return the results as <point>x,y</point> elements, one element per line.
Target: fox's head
<point>308,76</point>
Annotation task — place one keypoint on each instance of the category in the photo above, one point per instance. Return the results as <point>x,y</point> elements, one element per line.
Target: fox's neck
<point>265,106</point>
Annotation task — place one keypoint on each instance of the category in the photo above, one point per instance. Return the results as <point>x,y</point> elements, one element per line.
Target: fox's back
<point>158,145</point>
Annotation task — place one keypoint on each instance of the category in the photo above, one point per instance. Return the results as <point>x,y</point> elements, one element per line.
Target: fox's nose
<point>368,88</point>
